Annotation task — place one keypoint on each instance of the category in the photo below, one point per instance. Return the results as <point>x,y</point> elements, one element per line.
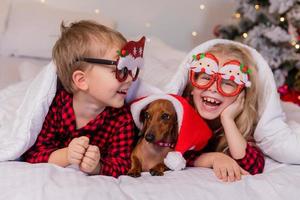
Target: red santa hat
<point>193,132</point>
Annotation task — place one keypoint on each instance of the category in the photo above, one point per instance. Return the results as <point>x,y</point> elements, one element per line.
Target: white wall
<point>172,21</point>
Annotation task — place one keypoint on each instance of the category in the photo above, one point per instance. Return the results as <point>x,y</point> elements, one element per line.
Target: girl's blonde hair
<point>247,119</point>
<point>82,39</point>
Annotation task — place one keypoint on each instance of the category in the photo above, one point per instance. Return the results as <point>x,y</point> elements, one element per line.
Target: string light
<point>97,11</point>
<point>281,19</point>
<point>297,46</point>
<point>202,6</point>
<point>257,6</point>
<point>194,33</point>
<point>148,24</point>
<point>237,15</point>
<point>245,35</point>
<point>293,42</point>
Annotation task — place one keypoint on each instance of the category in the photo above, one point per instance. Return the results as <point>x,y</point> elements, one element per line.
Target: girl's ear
<point>79,79</point>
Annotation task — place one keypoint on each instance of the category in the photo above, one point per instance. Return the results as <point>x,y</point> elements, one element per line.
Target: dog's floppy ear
<point>142,120</point>
<point>142,114</point>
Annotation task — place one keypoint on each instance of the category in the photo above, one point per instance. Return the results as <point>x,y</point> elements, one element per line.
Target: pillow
<point>34,27</point>
<point>160,58</point>
<point>4,9</point>
<point>28,70</point>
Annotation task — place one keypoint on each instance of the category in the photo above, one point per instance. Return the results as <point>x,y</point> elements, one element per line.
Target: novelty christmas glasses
<point>231,78</point>
<point>129,63</point>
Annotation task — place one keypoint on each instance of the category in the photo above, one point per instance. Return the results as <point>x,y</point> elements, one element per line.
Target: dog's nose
<point>150,137</point>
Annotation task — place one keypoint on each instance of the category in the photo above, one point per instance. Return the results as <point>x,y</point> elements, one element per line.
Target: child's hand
<point>77,149</point>
<point>234,109</point>
<point>226,168</point>
<point>91,159</point>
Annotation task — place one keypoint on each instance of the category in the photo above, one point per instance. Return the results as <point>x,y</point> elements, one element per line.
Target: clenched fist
<point>77,148</point>
<point>90,160</point>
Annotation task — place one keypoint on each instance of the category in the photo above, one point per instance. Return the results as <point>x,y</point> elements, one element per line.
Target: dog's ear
<point>142,114</point>
<point>142,120</point>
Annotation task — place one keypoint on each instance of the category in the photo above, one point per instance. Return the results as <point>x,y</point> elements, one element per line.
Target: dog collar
<point>165,144</point>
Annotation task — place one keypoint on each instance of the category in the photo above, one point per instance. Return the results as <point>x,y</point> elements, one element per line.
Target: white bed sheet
<point>19,180</point>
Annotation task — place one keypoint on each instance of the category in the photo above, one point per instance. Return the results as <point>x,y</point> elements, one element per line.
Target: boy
<point>87,123</point>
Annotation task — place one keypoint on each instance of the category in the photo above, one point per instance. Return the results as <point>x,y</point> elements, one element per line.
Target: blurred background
<point>29,28</point>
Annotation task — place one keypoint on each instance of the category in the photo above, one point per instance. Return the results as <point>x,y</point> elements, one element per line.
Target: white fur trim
<point>138,106</point>
<point>175,161</point>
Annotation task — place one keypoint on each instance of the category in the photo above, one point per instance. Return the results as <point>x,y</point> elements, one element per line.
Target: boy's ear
<point>79,80</point>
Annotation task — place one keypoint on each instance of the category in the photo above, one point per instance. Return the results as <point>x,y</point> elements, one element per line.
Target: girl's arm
<point>236,142</point>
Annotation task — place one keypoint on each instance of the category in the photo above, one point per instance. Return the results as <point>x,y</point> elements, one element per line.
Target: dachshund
<point>159,136</point>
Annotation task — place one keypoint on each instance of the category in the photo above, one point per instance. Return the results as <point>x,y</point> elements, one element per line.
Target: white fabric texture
<point>273,134</point>
<point>21,180</point>
<point>19,129</point>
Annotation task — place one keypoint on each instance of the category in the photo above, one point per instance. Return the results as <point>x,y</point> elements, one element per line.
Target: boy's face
<point>103,87</point>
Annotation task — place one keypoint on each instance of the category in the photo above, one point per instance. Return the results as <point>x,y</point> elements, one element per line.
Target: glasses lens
<point>202,79</point>
<point>135,73</point>
<point>228,86</point>
<point>122,74</point>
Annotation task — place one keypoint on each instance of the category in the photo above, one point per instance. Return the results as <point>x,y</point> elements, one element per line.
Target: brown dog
<point>160,132</point>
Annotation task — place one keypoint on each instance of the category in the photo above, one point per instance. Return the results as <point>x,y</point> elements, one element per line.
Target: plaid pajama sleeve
<point>253,161</point>
<point>117,161</point>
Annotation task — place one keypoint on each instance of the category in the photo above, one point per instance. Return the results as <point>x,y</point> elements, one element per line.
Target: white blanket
<point>19,180</point>
<point>19,127</point>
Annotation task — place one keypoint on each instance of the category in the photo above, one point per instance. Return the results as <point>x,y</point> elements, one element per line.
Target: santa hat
<point>193,132</point>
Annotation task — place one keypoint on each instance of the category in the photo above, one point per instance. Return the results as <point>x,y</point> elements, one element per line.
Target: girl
<point>222,88</point>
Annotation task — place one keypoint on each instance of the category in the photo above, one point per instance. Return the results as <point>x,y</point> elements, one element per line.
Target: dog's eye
<point>165,116</point>
<point>146,115</point>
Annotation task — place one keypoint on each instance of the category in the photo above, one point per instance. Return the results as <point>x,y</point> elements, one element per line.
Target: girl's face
<point>209,102</point>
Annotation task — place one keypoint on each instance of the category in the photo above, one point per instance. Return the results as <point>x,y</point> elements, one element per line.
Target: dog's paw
<point>134,174</point>
<point>156,173</point>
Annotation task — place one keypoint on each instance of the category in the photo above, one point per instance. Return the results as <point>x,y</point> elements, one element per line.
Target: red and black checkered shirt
<point>112,131</point>
<point>253,161</point>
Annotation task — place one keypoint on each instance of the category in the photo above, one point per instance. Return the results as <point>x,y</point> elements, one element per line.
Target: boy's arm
<point>47,141</point>
<point>116,161</point>
<point>59,157</point>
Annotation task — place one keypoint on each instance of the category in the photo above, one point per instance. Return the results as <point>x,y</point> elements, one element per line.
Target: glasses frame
<point>112,62</point>
<point>215,77</point>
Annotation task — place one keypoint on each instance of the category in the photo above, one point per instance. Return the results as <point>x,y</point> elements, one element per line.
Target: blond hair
<point>82,39</point>
<point>247,119</point>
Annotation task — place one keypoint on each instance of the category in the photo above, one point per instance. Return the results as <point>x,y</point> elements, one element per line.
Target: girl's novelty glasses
<point>231,78</point>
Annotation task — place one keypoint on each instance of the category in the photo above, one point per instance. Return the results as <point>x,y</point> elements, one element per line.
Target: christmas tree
<point>273,28</point>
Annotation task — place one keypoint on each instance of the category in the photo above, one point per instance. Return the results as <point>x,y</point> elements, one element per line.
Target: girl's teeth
<point>211,100</point>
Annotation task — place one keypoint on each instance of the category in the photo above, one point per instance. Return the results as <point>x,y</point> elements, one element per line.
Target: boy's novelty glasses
<point>231,78</point>
<point>121,74</point>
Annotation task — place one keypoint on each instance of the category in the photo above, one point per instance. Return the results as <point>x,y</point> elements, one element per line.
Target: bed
<point>20,180</point>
